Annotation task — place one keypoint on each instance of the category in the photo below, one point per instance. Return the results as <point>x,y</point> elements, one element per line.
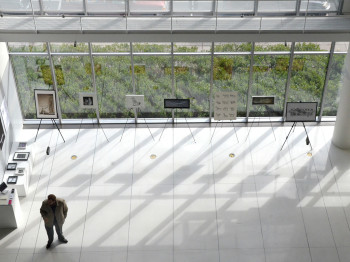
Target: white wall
<point>8,92</point>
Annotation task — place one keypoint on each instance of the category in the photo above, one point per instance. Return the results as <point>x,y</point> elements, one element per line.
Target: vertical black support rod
<point>38,130</point>
<point>54,122</point>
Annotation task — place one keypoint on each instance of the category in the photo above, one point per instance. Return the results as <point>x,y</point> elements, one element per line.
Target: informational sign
<point>176,103</point>
<point>301,111</point>
<point>225,105</point>
<point>134,101</point>
<point>263,100</point>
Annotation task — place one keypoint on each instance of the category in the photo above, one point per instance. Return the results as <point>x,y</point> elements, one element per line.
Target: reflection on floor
<point>192,202</point>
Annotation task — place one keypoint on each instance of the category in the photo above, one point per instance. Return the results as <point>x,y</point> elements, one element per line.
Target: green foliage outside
<point>192,74</point>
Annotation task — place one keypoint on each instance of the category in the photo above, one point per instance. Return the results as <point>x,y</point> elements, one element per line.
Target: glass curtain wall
<point>193,71</point>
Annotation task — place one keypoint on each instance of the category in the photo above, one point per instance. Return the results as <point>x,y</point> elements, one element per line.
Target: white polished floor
<point>192,203</point>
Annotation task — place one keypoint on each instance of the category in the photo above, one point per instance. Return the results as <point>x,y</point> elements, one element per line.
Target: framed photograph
<point>263,100</point>
<point>301,111</point>
<point>11,166</point>
<point>12,180</point>
<point>22,145</point>
<point>20,171</point>
<point>134,101</point>
<point>45,103</point>
<point>21,156</point>
<point>176,103</point>
<point>87,100</point>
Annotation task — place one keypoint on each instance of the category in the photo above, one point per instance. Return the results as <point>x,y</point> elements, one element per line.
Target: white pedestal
<point>22,184</point>
<point>10,213</point>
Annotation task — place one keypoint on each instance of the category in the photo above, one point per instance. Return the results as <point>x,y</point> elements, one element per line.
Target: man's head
<point>51,199</point>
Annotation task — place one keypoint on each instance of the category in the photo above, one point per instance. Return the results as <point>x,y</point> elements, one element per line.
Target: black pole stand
<point>273,131</point>
<point>55,124</point>
<point>307,136</point>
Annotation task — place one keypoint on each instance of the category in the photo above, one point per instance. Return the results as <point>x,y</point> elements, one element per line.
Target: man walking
<point>54,212</point>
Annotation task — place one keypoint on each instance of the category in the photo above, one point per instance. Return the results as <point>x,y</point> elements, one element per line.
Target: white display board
<point>134,101</point>
<point>301,111</point>
<point>225,105</point>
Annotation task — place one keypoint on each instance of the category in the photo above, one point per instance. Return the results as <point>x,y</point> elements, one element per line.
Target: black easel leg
<point>214,132</point>
<point>54,122</point>
<point>81,122</point>
<point>100,126</point>
<point>293,126</point>
<point>163,129</point>
<point>38,130</point>
<point>234,128</point>
<point>250,129</point>
<point>190,130</point>
<point>125,126</point>
<point>146,124</point>
<point>307,136</point>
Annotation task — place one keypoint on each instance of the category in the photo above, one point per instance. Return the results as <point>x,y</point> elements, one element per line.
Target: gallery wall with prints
<point>19,167</point>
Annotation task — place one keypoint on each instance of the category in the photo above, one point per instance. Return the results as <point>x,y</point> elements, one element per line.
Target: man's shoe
<point>63,240</point>
<point>48,245</point>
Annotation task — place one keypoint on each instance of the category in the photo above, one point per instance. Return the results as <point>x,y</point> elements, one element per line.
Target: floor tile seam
<point>326,209</point>
<point>257,201</point>
<point>296,188</point>
<point>131,193</point>
<point>48,183</point>
<point>215,199</point>
<point>336,183</point>
<point>88,197</point>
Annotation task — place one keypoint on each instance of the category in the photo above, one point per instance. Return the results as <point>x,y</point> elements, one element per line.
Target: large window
<point>31,72</point>
<point>180,70</point>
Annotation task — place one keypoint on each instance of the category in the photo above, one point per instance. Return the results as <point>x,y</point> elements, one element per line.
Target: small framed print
<point>87,100</point>
<point>12,180</point>
<point>11,166</point>
<point>20,171</point>
<point>21,156</point>
<point>22,145</point>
